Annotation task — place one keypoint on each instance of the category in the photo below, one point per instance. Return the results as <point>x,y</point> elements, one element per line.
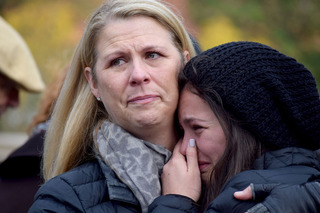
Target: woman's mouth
<point>203,166</point>
<point>142,99</point>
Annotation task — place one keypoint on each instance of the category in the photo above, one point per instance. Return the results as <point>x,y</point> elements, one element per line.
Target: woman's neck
<point>165,135</point>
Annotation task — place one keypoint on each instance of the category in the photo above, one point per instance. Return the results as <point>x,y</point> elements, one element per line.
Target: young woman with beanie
<point>254,115</point>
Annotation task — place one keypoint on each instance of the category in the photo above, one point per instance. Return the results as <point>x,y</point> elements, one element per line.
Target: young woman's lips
<point>203,166</point>
<point>142,99</point>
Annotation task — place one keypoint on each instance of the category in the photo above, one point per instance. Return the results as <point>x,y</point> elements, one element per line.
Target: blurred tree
<point>291,26</point>
<point>184,11</point>
<point>6,5</point>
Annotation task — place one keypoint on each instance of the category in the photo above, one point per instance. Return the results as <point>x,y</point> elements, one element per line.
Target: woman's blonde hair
<point>69,139</point>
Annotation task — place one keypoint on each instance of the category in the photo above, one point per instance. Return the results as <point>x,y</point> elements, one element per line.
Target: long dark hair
<point>242,148</point>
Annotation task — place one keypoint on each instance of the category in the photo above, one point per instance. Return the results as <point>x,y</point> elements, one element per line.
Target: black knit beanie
<point>272,95</point>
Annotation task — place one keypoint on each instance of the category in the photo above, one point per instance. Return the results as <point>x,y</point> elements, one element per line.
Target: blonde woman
<point>113,126</point>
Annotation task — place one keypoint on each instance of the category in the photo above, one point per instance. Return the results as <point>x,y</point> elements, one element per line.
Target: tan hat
<point>16,60</point>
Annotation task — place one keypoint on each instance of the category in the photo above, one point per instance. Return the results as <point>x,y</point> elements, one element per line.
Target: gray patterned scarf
<point>136,162</point>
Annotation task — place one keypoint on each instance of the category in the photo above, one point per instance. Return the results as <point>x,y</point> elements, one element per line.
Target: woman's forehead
<point>139,32</point>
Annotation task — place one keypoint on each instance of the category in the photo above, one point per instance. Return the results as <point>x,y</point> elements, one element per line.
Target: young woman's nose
<point>139,73</point>
<point>184,145</point>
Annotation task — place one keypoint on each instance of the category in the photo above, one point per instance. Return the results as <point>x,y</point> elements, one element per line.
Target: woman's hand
<point>181,175</point>
<point>245,194</point>
<point>275,197</point>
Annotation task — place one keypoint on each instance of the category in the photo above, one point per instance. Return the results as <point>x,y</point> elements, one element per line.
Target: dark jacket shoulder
<point>83,189</point>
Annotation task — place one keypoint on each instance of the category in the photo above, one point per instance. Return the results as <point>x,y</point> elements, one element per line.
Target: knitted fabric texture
<point>272,95</point>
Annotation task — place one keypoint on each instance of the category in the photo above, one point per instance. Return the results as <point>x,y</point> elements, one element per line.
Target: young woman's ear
<point>89,76</point>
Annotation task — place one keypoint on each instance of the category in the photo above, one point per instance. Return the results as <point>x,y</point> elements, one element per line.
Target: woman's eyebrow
<point>152,47</point>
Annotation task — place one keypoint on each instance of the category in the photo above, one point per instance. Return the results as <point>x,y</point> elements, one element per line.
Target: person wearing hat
<point>250,115</point>
<point>19,173</point>
<point>18,69</point>
<point>20,176</point>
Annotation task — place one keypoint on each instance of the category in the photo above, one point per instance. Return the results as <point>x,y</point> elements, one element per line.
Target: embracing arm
<point>283,198</point>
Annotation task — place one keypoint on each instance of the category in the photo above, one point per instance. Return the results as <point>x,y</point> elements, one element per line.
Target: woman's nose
<point>139,73</point>
<point>184,145</point>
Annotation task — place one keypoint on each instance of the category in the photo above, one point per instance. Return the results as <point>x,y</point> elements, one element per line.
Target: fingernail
<point>191,142</point>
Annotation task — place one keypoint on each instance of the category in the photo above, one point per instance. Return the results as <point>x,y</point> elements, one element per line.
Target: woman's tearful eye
<point>197,128</point>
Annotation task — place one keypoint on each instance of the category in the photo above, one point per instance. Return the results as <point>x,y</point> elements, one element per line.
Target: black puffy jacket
<point>91,187</point>
<point>289,166</point>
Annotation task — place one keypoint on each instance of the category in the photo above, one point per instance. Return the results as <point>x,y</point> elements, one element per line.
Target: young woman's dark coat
<point>289,166</point>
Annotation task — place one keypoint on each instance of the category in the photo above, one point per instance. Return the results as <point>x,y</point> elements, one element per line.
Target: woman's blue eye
<point>152,55</point>
<point>117,62</point>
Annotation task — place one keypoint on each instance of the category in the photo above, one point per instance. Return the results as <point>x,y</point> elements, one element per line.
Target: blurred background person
<point>20,173</point>
<point>18,69</point>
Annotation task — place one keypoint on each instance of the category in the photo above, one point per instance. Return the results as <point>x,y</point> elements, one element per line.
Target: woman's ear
<point>89,76</point>
<point>186,56</point>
